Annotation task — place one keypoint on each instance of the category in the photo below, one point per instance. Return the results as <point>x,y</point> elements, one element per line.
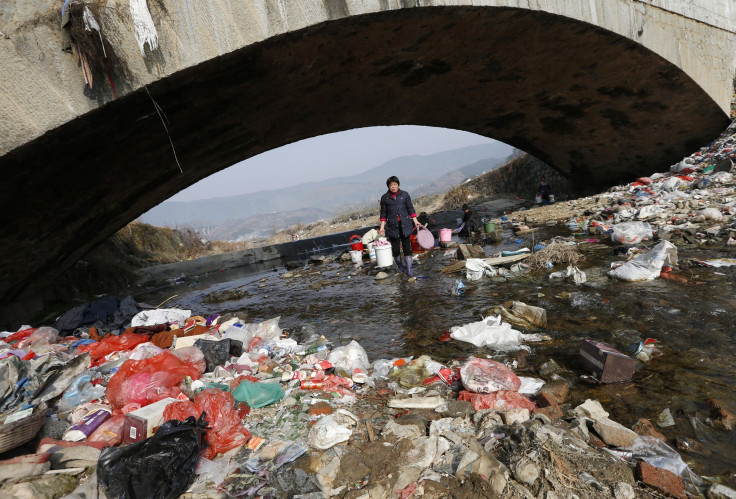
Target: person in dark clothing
<point>398,219</point>
<point>466,227</point>
<point>545,191</point>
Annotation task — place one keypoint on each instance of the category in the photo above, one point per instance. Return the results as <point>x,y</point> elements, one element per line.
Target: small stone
<point>722,413</point>
<point>623,490</point>
<point>551,412</point>
<point>557,389</point>
<point>316,259</point>
<point>526,471</point>
<point>498,483</point>
<point>516,416</point>
<point>718,491</point>
<point>549,367</point>
<point>613,433</point>
<point>458,409</point>
<point>692,446</point>
<point>381,275</point>
<point>645,428</point>
<point>663,481</point>
<point>591,409</point>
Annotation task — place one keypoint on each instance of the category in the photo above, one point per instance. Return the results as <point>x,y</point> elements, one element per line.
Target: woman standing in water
<point>397,220</point>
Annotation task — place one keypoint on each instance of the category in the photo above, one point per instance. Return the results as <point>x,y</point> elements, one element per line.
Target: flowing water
<point>394,317</point>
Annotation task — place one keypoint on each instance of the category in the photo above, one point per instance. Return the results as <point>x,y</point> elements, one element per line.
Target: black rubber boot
<point>409,273</point>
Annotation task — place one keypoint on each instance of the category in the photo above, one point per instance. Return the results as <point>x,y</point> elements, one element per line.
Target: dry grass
<point>555,253</point>
<point>457,196</point>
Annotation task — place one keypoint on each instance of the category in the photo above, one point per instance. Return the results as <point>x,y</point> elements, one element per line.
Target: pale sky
<point>328,156</point>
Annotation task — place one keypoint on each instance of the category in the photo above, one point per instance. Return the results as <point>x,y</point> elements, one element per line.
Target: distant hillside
<point>311,201</point>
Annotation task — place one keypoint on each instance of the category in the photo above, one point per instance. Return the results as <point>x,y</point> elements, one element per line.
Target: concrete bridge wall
<point>600,89</point>
<point>42,87</point>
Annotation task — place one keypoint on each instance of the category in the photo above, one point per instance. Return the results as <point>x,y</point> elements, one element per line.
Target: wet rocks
<point>645,428</point>
<point>613,433</point>
<point>662,481</point>
<point>719,491</point>
<point>724,416</point>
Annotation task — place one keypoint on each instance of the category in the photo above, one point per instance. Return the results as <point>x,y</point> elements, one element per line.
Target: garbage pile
<point>693,203</point>
<point>177,404</point>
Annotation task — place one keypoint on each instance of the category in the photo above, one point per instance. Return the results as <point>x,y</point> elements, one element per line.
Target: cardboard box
<point>606,363</point>
<point>141,423</point>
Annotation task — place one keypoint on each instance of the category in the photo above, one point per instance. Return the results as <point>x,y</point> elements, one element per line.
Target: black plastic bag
<point>160,467</point>
<point>216,353</point>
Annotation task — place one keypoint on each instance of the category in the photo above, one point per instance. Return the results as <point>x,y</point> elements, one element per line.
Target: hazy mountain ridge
<point>256,214</point>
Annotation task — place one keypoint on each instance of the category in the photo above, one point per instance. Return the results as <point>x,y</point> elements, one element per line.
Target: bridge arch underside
<point>598,107</point>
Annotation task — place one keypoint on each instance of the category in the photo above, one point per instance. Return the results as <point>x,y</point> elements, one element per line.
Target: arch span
<point>596,105</point>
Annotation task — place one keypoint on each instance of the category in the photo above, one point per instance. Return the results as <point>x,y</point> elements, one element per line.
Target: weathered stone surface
<point>526,471</point>
<point>692,446</point>
<point>591,409</point>
<point>723,414</point>
<point>557,389</point>
<point>718,491</point>
<point>513,416</point>
<point>623,490</point>
<point>613,433</point>
<point>645,428</point>
<point>458,409</point>
<point>662,481</point>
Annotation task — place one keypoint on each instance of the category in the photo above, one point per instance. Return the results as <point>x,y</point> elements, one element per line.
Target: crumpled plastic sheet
<point>492,332</point>
<point>647,266</point>
<point>160,316</point>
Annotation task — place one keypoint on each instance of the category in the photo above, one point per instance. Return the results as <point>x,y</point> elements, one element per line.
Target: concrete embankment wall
<point>294,250</point>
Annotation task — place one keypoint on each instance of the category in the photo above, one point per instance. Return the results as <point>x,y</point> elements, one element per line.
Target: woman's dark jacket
<point>397,207</point>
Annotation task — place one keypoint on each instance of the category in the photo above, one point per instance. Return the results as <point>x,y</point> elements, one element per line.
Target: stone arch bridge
<point>602,90</point>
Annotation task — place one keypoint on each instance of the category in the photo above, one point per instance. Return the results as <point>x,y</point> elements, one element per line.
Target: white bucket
<point>539,199</point>
<point>356,256</point>
<point>371,252</point>
<point>551,198</point>
<point>383,256</point>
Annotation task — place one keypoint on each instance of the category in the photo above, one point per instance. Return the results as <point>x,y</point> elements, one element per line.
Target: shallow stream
<point>394,317</point>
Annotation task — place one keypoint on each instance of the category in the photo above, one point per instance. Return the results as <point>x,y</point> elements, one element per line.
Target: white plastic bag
<point>571,272</point>
<point>648,212</point>
<point>475,269</point>
<point>332,429</point>
<point>712,214</point>
<point>160,316</point>
<point>647,266</point>
<point>631,232</point>
<point>492,332</point>
<point>349,357</point>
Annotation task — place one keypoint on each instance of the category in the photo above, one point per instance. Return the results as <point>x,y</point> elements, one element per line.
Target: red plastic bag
<point>192,355</point>
<point>181,411</point>
<point>226,429</point>
<point>110,432</point>
<point>148,380</point>
<point>20,335</point>
<point>497,400</point>
<point>122,343</point>
<point>488,376</point>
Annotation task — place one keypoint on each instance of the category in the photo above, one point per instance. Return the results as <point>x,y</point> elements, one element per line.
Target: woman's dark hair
<point>392,178</point>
